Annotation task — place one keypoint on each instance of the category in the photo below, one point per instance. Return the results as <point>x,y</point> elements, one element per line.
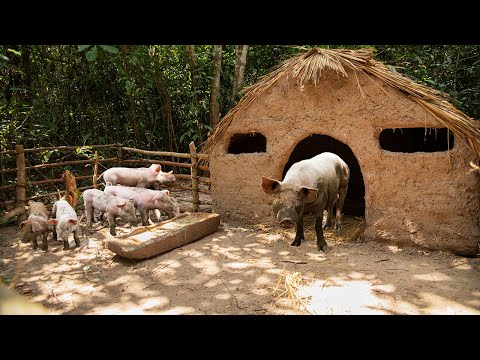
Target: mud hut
<point>407,146</point>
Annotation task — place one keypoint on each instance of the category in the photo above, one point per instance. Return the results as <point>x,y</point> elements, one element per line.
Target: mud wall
<point>427,199</point>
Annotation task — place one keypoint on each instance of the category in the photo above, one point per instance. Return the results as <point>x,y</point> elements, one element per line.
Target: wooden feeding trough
<point>156,239</point>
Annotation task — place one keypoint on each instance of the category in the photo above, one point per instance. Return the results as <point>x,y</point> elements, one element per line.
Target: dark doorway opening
<point>247,143</point>
<point>316,144</point>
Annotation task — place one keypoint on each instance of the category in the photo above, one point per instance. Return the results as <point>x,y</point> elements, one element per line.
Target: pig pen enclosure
<point>240,269</point>
<point>393,255</point>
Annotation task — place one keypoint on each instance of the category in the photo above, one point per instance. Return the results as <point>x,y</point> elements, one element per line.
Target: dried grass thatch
<point>288,286</point>
<point>308,67</point>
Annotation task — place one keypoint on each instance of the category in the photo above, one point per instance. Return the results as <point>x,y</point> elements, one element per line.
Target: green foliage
<point>143,95</point>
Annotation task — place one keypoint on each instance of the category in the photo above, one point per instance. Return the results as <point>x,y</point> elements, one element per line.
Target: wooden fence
<point>22,185</point>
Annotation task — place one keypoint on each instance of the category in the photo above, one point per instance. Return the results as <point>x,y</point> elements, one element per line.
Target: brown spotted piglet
<point>36,224</point>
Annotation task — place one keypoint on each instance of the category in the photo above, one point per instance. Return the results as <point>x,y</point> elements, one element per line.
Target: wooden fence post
<point>119,154</point>
<point>195,197</point>
<point>21,181</point>
<point>95,170</point>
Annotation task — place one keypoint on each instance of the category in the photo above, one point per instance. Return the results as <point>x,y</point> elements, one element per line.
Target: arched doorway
<point>316,144</point>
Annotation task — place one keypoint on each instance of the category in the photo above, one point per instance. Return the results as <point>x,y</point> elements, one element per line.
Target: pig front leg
<point>111,223</point>
<point>158,215</point>
<point>76,238</point>
<point>145,218</point>
<point>55,233</point>
<point>299,235</point>
<point>66,246</point>
<point>321,243</point>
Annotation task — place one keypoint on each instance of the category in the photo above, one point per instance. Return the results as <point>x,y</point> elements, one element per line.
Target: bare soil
<point>235,271</point>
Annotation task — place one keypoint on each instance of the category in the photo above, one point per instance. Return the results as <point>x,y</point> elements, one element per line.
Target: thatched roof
<point>308,67</point>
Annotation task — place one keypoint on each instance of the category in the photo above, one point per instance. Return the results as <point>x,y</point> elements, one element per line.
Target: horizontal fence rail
<point>21,185</point>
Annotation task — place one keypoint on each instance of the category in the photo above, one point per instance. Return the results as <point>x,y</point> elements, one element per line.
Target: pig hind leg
<point>329,222</point>
<point>299,235</point>
<point>321,243</point>
<point>34,242</point>
<point>44,242</point>
<point>342,193</point>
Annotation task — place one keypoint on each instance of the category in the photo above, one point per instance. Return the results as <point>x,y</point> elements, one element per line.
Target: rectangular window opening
<point>410,140</point>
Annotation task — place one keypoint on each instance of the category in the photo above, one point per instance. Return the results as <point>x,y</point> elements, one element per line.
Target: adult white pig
<point>146,200</point>
<point>152,176</point>
<point>111,205</point>
<point>65,221</point>
<point>311,185</point>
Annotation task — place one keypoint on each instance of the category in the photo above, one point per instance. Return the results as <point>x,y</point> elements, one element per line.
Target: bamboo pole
<point>8,171</point>
<point>157,153</point>
<point>161,162</point>
<point>55,193</point>
<point>7,187</point>
<point>181,187</point>
<point>20,195</point>
<point>67,147</point>
<point>74,162</point>
<point>195,197</point>
<point>95,171</point>
<point>51,181</point>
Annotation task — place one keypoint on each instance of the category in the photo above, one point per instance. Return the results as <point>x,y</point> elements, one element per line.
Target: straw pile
<point>288,286</point>
<point>308,67</point>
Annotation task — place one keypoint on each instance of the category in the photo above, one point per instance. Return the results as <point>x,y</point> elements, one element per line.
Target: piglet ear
<point>22,224</point>
<point>73,221</point>
<point>121,205</point>
<point>167,192</point>
<point>157,168</point>
<point>170,172</point>
<point>52,221</point>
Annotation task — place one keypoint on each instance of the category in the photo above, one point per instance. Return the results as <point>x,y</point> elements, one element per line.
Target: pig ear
<point>309,193</point>
<point>52,221</point>
<point>121,205</point>
<point>73,221</point>
<point>36,226</point>
<point>270,186</point>
<point>22,224</point>
<point>170,172</point>
<point>166,192</point>
<point>157,168</point>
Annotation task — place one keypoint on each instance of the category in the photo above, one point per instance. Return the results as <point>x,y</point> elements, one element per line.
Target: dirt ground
<point>243,270</point>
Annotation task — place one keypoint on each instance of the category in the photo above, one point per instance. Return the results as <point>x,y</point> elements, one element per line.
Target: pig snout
<point>287,223</point>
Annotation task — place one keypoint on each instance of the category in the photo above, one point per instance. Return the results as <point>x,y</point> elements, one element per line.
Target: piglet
<point>113,206</point>
<point>65,221</point>
<point>36,224</point>
<point>146,200</point>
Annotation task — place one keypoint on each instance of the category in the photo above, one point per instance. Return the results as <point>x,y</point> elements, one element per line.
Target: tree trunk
<point>130,96</point>
<point>215,89</point>
<point>240,62</point>
<point>193,70</point>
